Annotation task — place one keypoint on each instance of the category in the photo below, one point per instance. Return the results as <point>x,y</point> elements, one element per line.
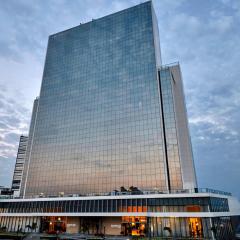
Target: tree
<point>134,190</point>
<point>123,189</point>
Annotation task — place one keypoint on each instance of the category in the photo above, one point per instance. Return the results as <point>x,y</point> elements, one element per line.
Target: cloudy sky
<point>204,36</point>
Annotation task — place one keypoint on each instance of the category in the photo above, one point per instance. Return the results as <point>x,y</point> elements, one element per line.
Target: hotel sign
<point>115,226</point>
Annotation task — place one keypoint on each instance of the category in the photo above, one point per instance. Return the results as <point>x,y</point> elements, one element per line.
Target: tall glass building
<point>109,115</point>
<point>109,151</point>
<point>19,165</point>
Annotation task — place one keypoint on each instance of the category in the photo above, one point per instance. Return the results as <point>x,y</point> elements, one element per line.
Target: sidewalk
<point>42,236</point>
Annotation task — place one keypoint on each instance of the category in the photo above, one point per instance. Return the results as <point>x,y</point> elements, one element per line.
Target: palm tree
<point>123,189</point>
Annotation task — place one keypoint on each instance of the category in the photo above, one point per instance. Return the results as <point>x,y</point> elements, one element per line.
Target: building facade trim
<point>122,214</point>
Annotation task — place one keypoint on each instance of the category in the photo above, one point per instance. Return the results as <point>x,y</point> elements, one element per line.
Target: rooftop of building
<point>111,14</point>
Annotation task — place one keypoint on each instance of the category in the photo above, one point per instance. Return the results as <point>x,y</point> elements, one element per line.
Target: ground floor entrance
<point>134,226</point>
<point>140,226</point>
<point>195,227</point>
<point>125,226</point>
<point>53,224</point>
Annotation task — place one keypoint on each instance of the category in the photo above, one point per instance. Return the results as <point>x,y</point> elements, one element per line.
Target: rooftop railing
<point>168,65</point>
<point>128,192</point>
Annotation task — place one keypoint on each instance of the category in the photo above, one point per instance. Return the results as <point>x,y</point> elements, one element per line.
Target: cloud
<point>14,120</point>
<point>221,23</point>
<point>191,24</point>
<point>218,112</point>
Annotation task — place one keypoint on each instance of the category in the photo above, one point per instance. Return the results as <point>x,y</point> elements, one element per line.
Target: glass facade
<point>190,228</point>
<point>98,124</point>
<point>186,204</point>
<point>182,217</point>
<point>178,149</point>
<point>170,130</point>
<point>154,227</point>
<point>132,216</point>
<point>29,147</point>
<point>19,166</point>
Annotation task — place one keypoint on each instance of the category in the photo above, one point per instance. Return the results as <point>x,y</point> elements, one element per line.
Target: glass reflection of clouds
<point>175,174</point>
<point>98,125</point>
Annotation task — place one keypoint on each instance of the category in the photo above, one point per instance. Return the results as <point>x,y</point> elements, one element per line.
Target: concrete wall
<point>73,225</point>
<point>112,225</point>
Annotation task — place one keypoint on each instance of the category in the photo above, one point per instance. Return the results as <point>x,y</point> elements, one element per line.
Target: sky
<point>203,36</point>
